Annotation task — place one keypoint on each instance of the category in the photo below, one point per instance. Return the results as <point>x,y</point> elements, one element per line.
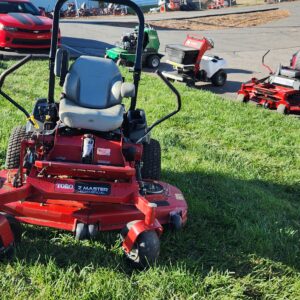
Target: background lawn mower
<point>280,90</point>
<point>125,51</point>
<point>109,177</point>
<point>192,66</point>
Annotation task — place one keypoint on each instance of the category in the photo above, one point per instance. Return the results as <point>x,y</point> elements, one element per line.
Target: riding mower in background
<point>192,66</point>
<point>124,52</point>
<point>109,176</point>
<point>280,90</point>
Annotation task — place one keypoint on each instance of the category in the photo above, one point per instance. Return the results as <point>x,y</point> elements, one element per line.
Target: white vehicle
<point>191,65</point>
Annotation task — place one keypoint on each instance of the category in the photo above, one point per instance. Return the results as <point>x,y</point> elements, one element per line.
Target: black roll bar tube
<point>178,98</point>
<point>14,68</point>
<point>138,55</point>
<point>7,97</point>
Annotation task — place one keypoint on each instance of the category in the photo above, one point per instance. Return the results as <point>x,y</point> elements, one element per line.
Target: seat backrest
<point>93,82</point>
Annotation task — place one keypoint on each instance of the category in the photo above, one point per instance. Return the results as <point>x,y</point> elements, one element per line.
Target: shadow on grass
<point>230,220</point>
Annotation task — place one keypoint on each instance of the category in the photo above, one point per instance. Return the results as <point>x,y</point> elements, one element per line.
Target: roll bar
<point>13,68</point>
<point>7,97</point>
<point>263,62</point>
<point>138,57</point>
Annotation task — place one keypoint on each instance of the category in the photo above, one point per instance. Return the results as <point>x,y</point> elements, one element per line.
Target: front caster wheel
<point>16,229</point>
<point>86,231</point>
<point>282,109</point>
<point>145,250</point>
<point>82,232</point>
<point>176,222</point>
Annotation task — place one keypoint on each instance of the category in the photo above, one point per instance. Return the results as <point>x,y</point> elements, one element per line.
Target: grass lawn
<point>239,169</point>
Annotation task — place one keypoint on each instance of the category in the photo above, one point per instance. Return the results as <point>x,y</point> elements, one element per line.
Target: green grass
<point>239,169</point>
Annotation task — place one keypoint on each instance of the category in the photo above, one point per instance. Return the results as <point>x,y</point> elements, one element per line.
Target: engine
<point>129,41</point>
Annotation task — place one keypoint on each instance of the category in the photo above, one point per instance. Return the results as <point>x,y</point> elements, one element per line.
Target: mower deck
<point>272,96</point>
<point>53,203</point>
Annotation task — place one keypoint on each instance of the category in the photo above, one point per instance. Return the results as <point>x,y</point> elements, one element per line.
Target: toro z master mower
<point>124,53</point>
<point>280,90</point>
<point>192,66</point>
<point>84,164</point>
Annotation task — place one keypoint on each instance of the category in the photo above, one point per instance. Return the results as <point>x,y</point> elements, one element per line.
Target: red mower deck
<point>280,90</point>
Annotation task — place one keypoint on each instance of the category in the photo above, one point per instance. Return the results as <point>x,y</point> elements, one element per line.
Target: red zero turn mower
<point>192,66</point>
<point>280,90</point>
<point>84,164</point>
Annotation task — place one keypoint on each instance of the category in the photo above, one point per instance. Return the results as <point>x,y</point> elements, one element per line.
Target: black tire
<point>93,230</point>
<point>282,109</point>
<point>145,250</point>
<point>153,61</point>
<point>191,83</point>
<point>82,232</point>
<point>14,147</point>
<point>176,222</point>
<point>151,160</point>
<point>219,79</point>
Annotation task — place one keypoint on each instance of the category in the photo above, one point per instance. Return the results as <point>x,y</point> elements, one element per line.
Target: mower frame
<point>87,197</point>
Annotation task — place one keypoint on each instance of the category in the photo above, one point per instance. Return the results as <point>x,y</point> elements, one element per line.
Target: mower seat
<point>92,97</point>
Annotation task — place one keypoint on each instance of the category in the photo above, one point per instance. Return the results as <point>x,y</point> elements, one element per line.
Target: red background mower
<point>84,164</point>
<point>280,90</point>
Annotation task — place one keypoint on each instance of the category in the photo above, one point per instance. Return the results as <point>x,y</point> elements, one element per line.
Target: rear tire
<point>151,160</point>
<point>153,61</point>
<point>14,147</point>
<point>219,78</point>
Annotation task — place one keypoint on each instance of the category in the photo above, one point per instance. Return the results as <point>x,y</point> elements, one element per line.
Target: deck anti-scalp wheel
<point>266,105</point>
<point>145,250</point>
<point>282,109</point>
<point>241,98</point>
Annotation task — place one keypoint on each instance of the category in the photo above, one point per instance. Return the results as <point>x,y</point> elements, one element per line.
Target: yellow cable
<point>34,122</point>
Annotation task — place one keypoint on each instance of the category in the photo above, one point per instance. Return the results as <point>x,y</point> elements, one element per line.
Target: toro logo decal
<point>64,187</point>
